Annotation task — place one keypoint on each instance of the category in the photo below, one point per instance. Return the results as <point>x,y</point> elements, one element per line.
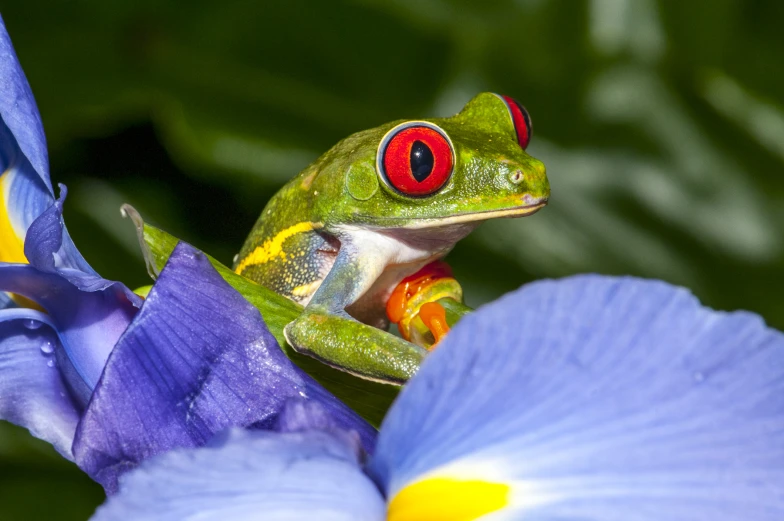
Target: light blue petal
<point>32,392</point>
<point>600,399</point>
<point>250,476</point>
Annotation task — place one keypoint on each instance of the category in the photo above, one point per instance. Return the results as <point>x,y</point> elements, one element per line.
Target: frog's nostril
<point>530,200</point>
<point>517,177</point>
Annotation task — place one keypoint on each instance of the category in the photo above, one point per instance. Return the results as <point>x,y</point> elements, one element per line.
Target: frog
<point>376,208</point>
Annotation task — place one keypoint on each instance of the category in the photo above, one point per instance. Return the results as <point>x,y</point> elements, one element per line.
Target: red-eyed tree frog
<point>376,208</point>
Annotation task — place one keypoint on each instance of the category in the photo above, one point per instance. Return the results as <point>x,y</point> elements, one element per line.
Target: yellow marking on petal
<point>11,245</point>
<point>273,248</point>
<point>444,499</point>
<point>306,289</point>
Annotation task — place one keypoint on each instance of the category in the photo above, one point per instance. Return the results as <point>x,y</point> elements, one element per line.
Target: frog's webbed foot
<point>352,346</point>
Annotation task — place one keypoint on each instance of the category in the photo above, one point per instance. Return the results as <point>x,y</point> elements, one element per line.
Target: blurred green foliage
<point>661,124</point>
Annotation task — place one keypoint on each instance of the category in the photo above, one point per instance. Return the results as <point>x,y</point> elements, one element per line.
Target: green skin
<point>338,239</point>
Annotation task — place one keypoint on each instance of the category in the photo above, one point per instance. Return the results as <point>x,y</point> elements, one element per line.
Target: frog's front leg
<point>327,332</point>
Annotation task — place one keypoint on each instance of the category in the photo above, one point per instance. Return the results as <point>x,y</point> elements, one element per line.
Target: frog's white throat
<point>390,255</point>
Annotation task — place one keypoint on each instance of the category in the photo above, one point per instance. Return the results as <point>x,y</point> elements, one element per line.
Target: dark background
<point>661,124</point>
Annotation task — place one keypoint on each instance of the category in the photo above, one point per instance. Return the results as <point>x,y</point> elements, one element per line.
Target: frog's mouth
<point>471,217</point>
<point>467,218</point>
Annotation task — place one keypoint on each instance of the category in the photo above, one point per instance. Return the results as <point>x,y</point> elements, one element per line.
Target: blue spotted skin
<point>337,238</point>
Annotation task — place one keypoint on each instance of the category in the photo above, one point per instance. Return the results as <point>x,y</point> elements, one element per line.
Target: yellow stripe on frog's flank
<point>11,245</point>
<point>273,248</point>
<point>445,499</point>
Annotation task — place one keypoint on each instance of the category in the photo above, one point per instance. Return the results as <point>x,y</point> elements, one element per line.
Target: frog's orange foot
<point>410,287</point>
<point>413,304</point>
<point>433,315</point>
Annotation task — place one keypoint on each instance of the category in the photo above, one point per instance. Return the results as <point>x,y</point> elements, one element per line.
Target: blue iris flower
<point>589,398</point>
<point>107,377</point>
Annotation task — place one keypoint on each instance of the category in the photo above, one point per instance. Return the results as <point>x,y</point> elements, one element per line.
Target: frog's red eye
<point>522,121</point>
<point>415,158</point>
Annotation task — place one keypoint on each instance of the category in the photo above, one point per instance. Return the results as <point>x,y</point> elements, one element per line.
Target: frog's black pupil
<point>421,161</point>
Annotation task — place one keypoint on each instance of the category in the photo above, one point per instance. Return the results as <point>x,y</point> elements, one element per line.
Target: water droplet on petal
<point>32,324</point>
<point>50,363</point>
<point>699,377</point>
<point>47,347</point>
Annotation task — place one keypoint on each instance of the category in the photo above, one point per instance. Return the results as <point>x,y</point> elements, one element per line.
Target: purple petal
<point>49,248</point>
<point>88,323</point>
<point>32,392</point>
<point>597,398</point>
<point>25,189</point>
<point>6,301</point>
<point>23,196</point>
<point>250,476</point>
<point>197,359</point>
<point>19,112</point>
<point>303,415</point>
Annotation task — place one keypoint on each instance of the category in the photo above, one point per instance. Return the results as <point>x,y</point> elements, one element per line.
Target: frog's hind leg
<point>327,332</point>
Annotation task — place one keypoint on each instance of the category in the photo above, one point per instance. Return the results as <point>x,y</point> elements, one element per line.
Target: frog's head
<point>435,172</point>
